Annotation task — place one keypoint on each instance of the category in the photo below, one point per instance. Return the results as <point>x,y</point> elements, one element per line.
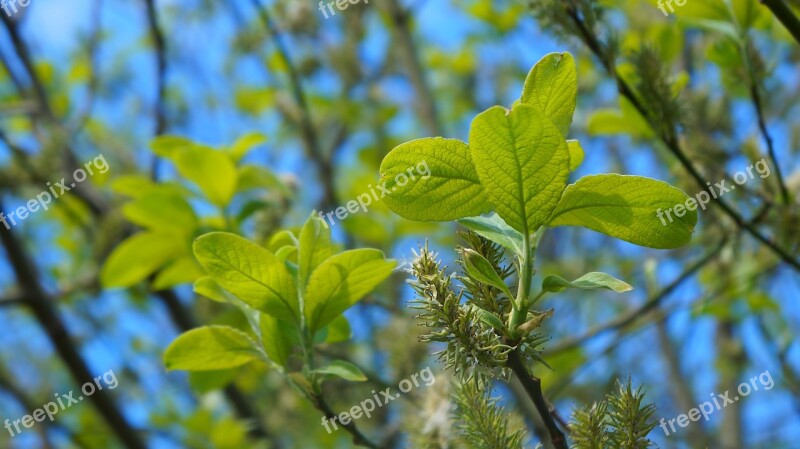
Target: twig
<point>671,141</point>
<point>358,438</point>
<point>533,386</point>
<point>783,13</point>
<point>633,315</point>
<point>425,96</point>
<point>157,36</point>
<point>755,96</point>
<point>47,316</point>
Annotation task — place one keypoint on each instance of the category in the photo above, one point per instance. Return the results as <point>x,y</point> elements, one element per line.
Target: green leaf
<point>255,177</point>
<point>495,229</point>
<point>452,189</point>
<point>523,162</point>
<point>211,170</point>
<point>245,144</point>
<point>210,348</point>
<point>208,381</point>
<point>184,270</point>
<point>338,331</point>
<point>626,120</point>
<point>489,318</point>
<point>626,207</point>
<point>161,209</point>
<point>250,272</point>
<point>278,337</point>
<point>133,186</point>
<point>345,370</point>
<point>140,256</point>
<point>315,247</point>
<point>206,286</point>
<point>169,146</point>
<point>575,154</point>
<point>341,281</point>
<point>552,86</point>
<point>482,270</point>
<point>589,281</point>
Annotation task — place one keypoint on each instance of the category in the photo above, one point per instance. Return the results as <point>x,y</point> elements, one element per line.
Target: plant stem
<point>533,386</point>
<point>520,311</point>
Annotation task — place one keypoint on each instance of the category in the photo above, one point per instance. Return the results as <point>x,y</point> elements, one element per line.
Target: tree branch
<point>785,14</point>
<point>47,316</point>
<point>358,438</point>
<point>533,386</point>
<point>671,141</point>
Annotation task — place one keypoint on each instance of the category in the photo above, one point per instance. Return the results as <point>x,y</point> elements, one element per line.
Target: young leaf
<point>183,270</point>
<point>626,207</point>
<point>495,229</point>
<point>213,171</point>
<point>451,191</point>
<point>523,162</point>
<point>345,370</point>
<point>589,281</point>
<point>161,209</point>
<point>278,337</point>
<point>552,86</point>
<point>482,270</point>
<point>140,256</point>
<point>210,348</point>
<point>206,286</point>
<point>575,154</point>
<point>341,281</point>
<point>245,144</point>
<point>249,271</point>
<point>315,247</point>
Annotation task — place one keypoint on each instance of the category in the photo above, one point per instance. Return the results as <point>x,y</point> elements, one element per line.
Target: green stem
<point>520,311</point>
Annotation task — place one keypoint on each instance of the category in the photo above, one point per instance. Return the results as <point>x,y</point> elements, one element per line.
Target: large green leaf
<point>341,281</point>
<point>213,171</point>
<point>210,348</point>
<point>140,256</point>
<point>626,207</point>
<point>250,272</point>
<point>523,162</point>
<point>552,86</point>
<point>452,189</point>
<point>315,247</point>
<point>589,281</point>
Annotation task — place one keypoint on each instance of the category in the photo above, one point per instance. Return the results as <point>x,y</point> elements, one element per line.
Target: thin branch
<point>783,13</point>
<point>44,310</point>
<point>755,96</point>
<point>671,141</point>
<point>159,44</point>
<point>358,438</point>
<point>82,117</point>
<point>632,316</point>
<point>425,96</point>
<point>533,386</point>
<point>308,131</point>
